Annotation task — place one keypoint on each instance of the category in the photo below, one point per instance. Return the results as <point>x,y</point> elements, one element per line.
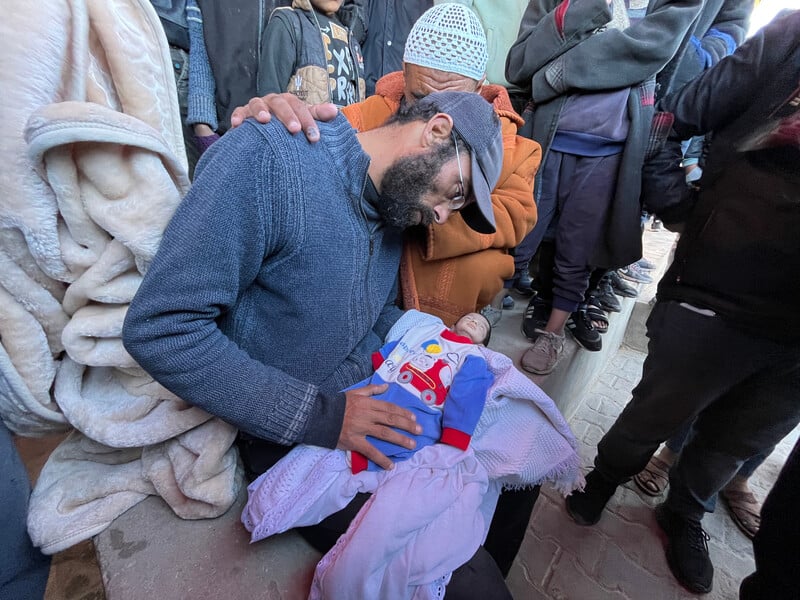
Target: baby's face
<point>327,7</point>
<point>474,326</point>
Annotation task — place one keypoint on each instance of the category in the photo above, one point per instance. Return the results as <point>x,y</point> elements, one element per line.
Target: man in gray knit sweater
<point>223,318</point>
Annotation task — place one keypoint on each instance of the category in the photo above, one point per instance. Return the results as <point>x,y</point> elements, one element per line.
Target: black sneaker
<point>536,316</point>
<point>586,507</point>
<point>606,296</point>
<point>620,286</point>
<point>580,326</point>
<point>687,550</point>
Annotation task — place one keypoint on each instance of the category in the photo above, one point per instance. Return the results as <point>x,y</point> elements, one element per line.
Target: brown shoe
<point>541,358</point>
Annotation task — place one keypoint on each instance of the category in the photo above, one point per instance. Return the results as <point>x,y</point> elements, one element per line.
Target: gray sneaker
<point>635,273</point>
<point>541,358</point>
<point>492,314</point>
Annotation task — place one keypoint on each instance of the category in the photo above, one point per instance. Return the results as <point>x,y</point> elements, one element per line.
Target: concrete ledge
<point>577,369</point>
<point>148,552</point>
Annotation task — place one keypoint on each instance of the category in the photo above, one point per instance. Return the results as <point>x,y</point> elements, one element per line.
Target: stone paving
<point>622,556</point>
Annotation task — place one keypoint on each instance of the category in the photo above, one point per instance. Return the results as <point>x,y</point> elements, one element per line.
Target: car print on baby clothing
<point>430,377</point>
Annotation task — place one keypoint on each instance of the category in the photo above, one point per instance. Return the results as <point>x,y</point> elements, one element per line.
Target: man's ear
<point>437,129</point>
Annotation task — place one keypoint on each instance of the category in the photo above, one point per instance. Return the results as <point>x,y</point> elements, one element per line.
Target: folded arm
<point>614,59</point>
<point>547,30</point>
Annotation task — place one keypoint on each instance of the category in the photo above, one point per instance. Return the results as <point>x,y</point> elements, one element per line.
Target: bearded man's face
<point>406,183</point>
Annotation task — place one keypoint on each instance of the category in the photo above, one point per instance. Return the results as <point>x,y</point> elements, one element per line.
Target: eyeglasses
<point>458,202</point>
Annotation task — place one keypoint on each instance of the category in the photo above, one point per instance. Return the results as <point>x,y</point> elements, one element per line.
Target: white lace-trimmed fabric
<point>448,37</point>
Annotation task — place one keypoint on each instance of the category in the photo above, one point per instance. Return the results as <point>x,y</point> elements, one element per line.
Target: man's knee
<point>479,577</point>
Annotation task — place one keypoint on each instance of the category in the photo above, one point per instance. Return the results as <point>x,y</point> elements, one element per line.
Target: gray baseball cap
<point>475,122</point>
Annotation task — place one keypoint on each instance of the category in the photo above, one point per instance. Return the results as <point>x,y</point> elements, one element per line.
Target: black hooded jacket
<point>740,252</point>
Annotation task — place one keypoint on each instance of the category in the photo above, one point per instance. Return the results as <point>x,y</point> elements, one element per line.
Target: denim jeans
<point>677,441</point>
<point>23,569</point>
<point>180,66</point>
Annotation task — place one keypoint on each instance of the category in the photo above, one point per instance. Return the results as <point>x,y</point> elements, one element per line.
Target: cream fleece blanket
<point>93,168</point>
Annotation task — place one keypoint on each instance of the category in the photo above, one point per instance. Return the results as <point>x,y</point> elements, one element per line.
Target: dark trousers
<point>23,569</point>
<point>742,391</point>
<point>575,197</point>
<point>480,577</point>
<point>544,276</point>
<point>776,546</point>
<point>509,524</point>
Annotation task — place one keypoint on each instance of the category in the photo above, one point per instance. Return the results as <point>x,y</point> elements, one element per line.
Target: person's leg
<point>539,307</point>
<point>776,547</point>
<point>654,478</point>
<point>676,442</point>
<point>743,505</point>
<point>544,276</point>
<point>509,524</point>
<point>684,372</point>
<point>479,577</point>
<point>545,210</point>
<point>585,193</point>
<point>23,569</point>
<point>585,190</point>
<point>751,464</point>
<point>594,279</point>
<point>754,414</point>
<point>750,418</point>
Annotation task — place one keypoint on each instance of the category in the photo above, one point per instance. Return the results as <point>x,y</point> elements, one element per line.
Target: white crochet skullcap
<point>448,37</point>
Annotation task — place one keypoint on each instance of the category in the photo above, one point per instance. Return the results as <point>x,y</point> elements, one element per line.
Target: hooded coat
<point>563,50</point>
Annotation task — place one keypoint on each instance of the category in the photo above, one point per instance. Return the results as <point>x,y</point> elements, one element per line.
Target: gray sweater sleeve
<point>202,105</point>
<point>614,59</point>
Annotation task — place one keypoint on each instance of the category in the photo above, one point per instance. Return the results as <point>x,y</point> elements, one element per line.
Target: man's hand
<point>363,415</point>
<point>295,114</point>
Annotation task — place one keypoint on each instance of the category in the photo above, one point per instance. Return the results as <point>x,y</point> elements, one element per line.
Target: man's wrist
<point>325,421</point>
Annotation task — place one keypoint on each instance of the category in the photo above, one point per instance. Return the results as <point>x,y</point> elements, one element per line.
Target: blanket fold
<point>94,167</point>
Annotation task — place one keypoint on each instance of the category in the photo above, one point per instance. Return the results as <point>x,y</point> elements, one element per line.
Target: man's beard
<point>404,184</point>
